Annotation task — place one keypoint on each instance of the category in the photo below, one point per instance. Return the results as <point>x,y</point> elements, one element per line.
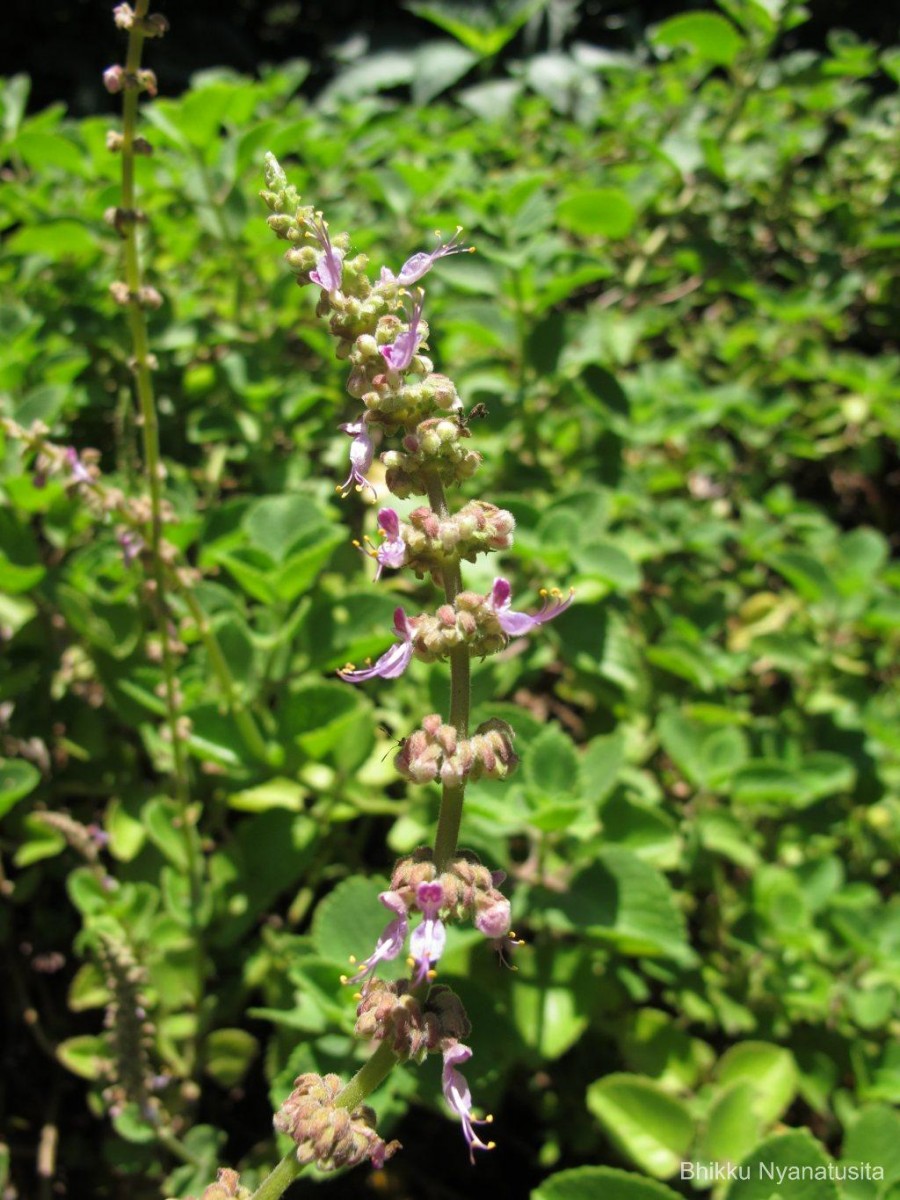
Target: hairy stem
<point>150,435</point>
<point>243,718</point>
<point>279,1178</point>
<point>153,469</point>
<point>452,798</point>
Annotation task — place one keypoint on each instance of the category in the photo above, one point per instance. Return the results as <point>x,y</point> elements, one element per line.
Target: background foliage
<point>680,320</point>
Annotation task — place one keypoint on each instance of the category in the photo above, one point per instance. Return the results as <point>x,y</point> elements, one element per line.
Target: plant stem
<point>150,434</point>
<point>452,798</point>
<point>279,1179</point>
<point>153,468</point>
<point>243,718</point>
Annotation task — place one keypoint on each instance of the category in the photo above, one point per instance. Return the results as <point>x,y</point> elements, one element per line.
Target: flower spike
<point>394,661</point>
<point>517,623</point>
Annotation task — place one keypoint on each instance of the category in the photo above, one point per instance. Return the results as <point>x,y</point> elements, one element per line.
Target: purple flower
<point>399,354</point>
<point>493,920</point>
<point>420,264</point>
<point>391,941</point>
<point>329,265</point>
<point>429,938</point>
<point>392,551</point>
<point>458,1096</point>
<point>517,623</point>
<point>78,472</point>
<point>131,545</point>
<point>362,451</point>
<point>394,661</point>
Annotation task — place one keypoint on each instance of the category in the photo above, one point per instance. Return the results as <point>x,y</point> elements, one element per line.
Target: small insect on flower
<point>395,741</point>
<point>476,413</point>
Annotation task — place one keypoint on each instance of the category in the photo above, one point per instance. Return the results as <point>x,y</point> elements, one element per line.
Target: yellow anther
<point>352,959</point>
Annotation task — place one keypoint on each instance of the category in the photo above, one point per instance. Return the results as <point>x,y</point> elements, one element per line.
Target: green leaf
<point>228,1055</point>
<point>647,1124</point>
<point>349,921</point>
<point>302,568</point>
<point>40,842</point>
<point>86,1055</point>
<point>551,764</point>
<point>603,560</point>
<point>873,1137</point>
<point>484,28</point>
<point>732,1127</point>
<point>86,892</point>
<point>274,793</point>
<point>601,1183</point>
<point>320,716</point>
<point>164,822</point>
<point>709,35</point>
<point>17,779</point>
<point>88,989</point>
<point>624,901</point>
<point>548,1007</point>
<point>771,1070</point>
<point>654,1045</point>
<point>601,763</point>
<point>276,524</point>
<point>438,65</point>
<point>600,212</point>
<point>775,1168</point>
<point>126,833</point>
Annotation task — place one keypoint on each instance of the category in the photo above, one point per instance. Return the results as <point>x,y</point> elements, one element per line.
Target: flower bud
<point>114,79</point>
<point>324,1132</point>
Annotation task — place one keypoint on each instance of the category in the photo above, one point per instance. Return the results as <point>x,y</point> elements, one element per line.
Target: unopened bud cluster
<point>435,752</point>
<point>435,446</point>
<point>412,1028</point>
<point>130,1030</point>
<point>390,375</point>
<point>152,25</point>
<point>470,891</point>
<point>469,621</point>
<point>324,1132</point>
<point>227,1187</point>
<point>478,528</point>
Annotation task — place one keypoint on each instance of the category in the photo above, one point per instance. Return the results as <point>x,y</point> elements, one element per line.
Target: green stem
<point>243,718</point>
<point>370,1075</point>
<point>452,798</point>
<point>279,1179</point>
<point>153,468</point>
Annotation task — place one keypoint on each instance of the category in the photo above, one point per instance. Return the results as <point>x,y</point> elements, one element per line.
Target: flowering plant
<point>381,332</point>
